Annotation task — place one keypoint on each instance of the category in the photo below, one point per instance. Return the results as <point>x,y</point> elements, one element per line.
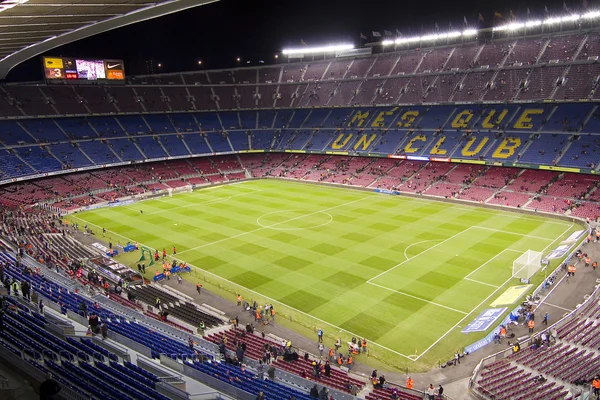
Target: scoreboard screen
<point>67,68</point>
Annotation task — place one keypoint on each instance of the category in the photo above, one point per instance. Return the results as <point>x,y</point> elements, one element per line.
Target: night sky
<point>256,29</point>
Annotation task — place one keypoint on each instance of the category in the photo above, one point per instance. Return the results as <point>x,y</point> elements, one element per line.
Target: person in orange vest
<point>596,385</point>
<point>571,270</point>
<point>502,331</point>
<point>331,354</point>
<point>174,250</point>
<point>239,299</point>
<point>199,288</point>
<point>531,325</point>
<point>364,345</point>
<point>349,362</point>
<point>587,262</point>
<point>340,360</point>
<point>258,316</point>
<point>272,314</point>
<point>410,383</point>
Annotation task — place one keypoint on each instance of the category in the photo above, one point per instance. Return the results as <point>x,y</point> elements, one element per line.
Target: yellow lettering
<point>437,150</point>
<point>507,148</point>
<point>487,122</point>
<point>379,121</point>
<point>341,141</point>
<point>462,119</point>
<point>524,121</point>
<point>467,152</point>
<point>360,117</point>
<point>409,149</point>
<point>407,119</point>
<point>364,142</point>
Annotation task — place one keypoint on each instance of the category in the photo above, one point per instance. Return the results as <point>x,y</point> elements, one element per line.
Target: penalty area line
<point>418,298</point>
<point>482,283</point>
<point>493,293</point>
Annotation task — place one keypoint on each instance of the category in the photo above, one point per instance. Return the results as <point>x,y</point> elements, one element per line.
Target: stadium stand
<point>373,122</point>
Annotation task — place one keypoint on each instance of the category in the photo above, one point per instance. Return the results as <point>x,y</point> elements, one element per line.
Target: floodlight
<point>591,15</point>
<point>387,42</point>
<point>531,24</point>
<point>573,17</point>
<point>514,26</point>
<point>469,32</point>
<point>453,34</point>
<point>321,49</point>
<point>552,21</point>
<point>407,40</point>
<point>430,37</point>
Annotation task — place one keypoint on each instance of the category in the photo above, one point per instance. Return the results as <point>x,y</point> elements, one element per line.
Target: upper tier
<point>552,135</point>
<point>541,68</point>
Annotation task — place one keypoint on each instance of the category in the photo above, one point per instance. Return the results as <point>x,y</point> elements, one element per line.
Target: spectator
<point>430,392</point>
<point>104,330</point>
<point>314,392</point>
<point>49,388</point>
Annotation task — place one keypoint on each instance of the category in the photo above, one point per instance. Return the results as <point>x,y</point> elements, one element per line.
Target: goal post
<point>527,264</point>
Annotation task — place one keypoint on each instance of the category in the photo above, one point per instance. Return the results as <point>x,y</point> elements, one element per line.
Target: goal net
<point>527,264</point>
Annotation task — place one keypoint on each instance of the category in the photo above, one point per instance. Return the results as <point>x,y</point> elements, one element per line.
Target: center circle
<point>294,220</point>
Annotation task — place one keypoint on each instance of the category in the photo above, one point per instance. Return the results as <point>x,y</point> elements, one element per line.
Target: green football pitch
<point>405,273</point>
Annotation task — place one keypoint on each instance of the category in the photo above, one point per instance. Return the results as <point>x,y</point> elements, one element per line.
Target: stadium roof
<point>30,27</point>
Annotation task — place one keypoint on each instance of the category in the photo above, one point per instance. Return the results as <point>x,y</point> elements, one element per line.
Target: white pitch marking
<point>414,244</point>
<point>276,224</point>
<point>212,201</point>
<point>292,229</point>
<point>491,259</point>
<point>483,283</point>
<point>423,252</point>
<point>409,357</point>
<point>418,298</point>
<point>487,298</point>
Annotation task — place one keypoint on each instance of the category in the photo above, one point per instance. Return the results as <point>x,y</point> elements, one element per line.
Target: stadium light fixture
<point>408,40</point>
<point>276,56</point>
<point>199,62</point>
<point>469,32</point>
<point>509,27</point>
<point>591,15</point>
<point>552,21</point>
<point>387,42</point>
<point>573,17</point>
<point>320,49</point>
<point>533,24</point>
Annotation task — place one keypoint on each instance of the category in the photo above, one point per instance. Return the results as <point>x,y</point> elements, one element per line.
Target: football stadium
<point>402,216</point>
